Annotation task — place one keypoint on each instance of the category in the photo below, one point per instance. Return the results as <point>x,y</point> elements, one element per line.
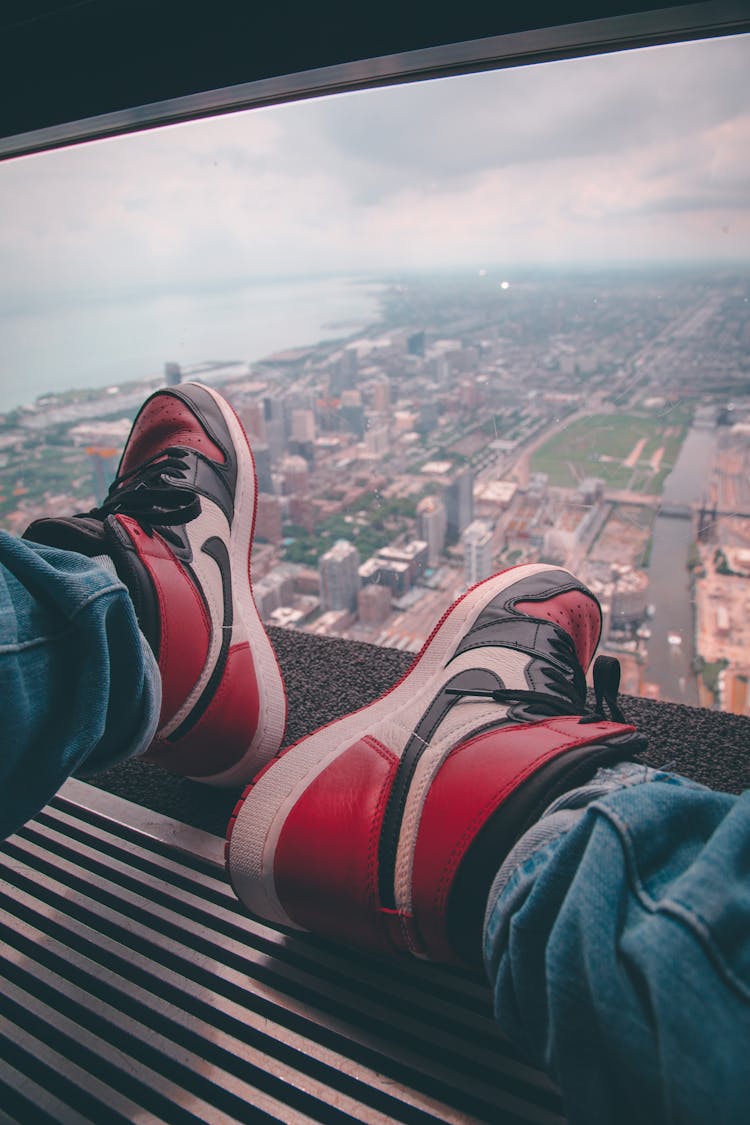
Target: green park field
<point>633,451</point>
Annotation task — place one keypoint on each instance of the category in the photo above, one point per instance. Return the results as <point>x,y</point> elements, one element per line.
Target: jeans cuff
<point>140,741</point>
<point>562,815</point>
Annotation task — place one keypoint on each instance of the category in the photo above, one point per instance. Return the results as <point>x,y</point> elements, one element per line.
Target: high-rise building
<point>377,441</point>
<point>276,437</point>
<point>404,421</point>
<point>459,503</point>
<point>273,409</point>
<point>339,576</point>
<point>374,604</point>
<point>393,573</point>
<point>477,545</point>
<point>295,476</point>
<point>268,518</point>
<point>468,392</point>
<point>262,458</point>
<point>303,512</point>
<point>427,418</point>
<point>352,413</point>
<point>303,449</point>
<point>276,423</point>
<point>415,344</point>
<point>303,425</point>
<point>352,417</point>
<point>381,397</point>
<point>172,374</point>
<point>344,375</point>
<point>431,526</point>
<point>252,416</point>
<point>350,362</point>
<point>415,554</point>
<point>327,414</point>
<point>441,368</point>
<point>274,590</point>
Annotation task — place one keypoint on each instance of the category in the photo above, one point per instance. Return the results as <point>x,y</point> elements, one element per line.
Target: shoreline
<point>274,327</point>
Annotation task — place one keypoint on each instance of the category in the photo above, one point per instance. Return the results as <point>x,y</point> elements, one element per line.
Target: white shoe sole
<point>260,814</point>
<point>247,622</point>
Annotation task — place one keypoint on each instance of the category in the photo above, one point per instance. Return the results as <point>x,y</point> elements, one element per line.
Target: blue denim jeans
<point>618,949</point>
<point>79,686</point>
<point>619,954</point>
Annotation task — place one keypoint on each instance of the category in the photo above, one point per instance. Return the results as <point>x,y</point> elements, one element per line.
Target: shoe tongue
<point>83,534</point>
<point>575,612</point>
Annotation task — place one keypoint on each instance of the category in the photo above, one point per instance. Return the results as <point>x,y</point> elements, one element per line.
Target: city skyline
<point>601,424</point>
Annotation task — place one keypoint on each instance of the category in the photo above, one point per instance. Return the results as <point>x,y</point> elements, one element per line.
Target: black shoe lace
<point>565,698</point>
<point>152,495</point>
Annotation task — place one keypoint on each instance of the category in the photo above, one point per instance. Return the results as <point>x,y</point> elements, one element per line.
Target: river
<point>669,665</point>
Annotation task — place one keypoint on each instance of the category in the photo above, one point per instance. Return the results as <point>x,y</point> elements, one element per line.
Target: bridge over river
<point>673,509</point>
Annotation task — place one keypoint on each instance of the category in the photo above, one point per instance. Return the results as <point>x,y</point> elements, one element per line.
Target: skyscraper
<point>295,476</point>
<point>268,518</point>
<point>345,374</point>
<point>377,441</point>
<point>374,604</point>
<point>431,526</point>
<point>352,413</point>
<point>276,437</point>
<point>459,503</point>
<point>252,416</point>
<point>303,425</point>
<point>428,417</point>
<point>415,344</point>
<point>381,394</point>
<point>275,420</point>
<point>262,456</point>
<point>339,576</point>
<point>477,544</point>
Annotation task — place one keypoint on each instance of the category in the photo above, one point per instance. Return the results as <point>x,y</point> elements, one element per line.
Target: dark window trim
<point>617,33</point>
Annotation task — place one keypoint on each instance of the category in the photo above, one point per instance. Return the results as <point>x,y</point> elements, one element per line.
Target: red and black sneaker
<point>385,829</point>
<point>178,524</point>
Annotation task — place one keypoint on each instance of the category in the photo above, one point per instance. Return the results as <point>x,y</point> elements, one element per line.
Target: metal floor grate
<point>135,989</point>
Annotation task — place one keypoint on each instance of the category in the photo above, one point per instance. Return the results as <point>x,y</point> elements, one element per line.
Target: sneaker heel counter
<point>325,864</point>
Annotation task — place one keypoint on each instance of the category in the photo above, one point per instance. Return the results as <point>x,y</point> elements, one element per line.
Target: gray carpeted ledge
<point>327,677</point>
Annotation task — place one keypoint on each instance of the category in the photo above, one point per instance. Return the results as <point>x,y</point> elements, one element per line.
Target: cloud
<point>459,127</point>
<point>624,156</point>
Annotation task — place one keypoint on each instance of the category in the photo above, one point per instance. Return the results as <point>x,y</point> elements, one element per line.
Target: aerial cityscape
<point>597,420</point>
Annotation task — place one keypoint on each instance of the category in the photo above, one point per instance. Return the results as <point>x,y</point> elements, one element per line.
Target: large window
<point>466,323</point>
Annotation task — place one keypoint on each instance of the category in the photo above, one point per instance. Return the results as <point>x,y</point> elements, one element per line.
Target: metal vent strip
<point>134,988</point>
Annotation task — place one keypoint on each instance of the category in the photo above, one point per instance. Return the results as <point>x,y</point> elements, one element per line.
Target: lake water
<point>100,343</point>
<point>671,666</point>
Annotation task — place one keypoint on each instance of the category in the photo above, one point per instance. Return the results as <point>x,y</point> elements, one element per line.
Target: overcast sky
<point>638,156</point>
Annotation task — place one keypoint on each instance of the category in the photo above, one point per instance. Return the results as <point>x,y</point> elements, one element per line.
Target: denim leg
<point>80,689</point>
<point>619,956</point>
